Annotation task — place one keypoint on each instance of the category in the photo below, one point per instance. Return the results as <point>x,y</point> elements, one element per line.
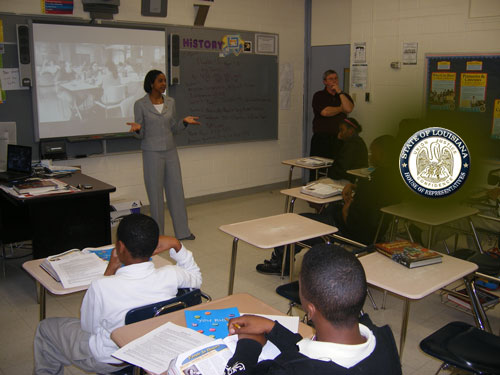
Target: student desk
<point>432,215</point>
<point>417,283</point>
<point>273,231</point>
<point>295,193</point>
<point>361,172</point>
<point>295,163</point>
<point>245,303</point>
<point>60,222</point>
<point>48,283</point>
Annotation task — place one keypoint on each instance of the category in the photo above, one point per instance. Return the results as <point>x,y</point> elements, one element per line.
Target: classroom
<point>236,181</point>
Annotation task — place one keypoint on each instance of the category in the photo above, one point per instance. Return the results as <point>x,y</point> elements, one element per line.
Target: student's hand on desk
<point>166,243</point>
<point>191,120</point>
<point>114,264</point>
<point>250,324</point>
<point>134,126</point>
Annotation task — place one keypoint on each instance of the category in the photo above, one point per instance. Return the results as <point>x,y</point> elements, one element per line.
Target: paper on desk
<point>269,351</point>
<point>79,270</point>
<point>155,350</point>
<point>289,322</point>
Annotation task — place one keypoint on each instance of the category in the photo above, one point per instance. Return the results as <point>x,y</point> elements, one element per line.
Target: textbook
<point>180,350</point>
<point>36,186</point>
<point>409,254</point>
<point>74,268</point>
<point>321,190</point>
<point>487,299</point>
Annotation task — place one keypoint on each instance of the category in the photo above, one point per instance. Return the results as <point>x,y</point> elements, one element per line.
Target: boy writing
<point>86,342</point>
<point>332,287</point>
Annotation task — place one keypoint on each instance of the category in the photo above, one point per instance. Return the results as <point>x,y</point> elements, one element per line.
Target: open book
<point>74,268</point>
<point>175,350</point>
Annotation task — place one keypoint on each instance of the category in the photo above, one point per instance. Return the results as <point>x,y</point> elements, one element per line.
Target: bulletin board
<point>463,91</point>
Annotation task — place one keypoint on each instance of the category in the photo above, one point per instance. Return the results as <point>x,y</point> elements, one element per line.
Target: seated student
<point>353,153</point>
<point>359,216</point>
<point>86,342</point>
<point>332,289</point>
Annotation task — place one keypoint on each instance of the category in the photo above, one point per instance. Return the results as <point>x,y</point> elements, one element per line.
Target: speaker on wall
<point>174,64</point>
<point>23,52</point>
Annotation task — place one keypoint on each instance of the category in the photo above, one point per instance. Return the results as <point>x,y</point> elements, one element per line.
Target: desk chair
<point>465,347</point>
<point>185,298</point>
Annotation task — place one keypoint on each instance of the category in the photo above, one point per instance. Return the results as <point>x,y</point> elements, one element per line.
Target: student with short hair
<point>332,288</point>
<point>352,154</point>
<point>130,280</point>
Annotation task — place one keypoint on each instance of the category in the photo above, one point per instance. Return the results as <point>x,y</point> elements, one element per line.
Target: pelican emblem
<point>435,163</point>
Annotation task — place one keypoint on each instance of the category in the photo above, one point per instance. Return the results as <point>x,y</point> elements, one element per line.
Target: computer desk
<point>48,284</point>
<point>58,222</point>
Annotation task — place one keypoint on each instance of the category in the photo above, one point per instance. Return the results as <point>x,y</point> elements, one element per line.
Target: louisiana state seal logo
<point>434,162</point>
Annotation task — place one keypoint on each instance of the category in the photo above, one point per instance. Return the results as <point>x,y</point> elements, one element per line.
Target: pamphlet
<point>212,323</point>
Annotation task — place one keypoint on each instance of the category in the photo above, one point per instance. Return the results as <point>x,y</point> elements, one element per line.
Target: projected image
<point>86,88</point>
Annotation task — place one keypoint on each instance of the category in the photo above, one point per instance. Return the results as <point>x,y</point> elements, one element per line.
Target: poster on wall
<point>473,92</point>
<point>474,65</point>
<point>495,127</point>
<point>359,76</point>
<point>442,94</point>
<point>410,53</point>
<point>359,53</point>
<point>443,65</point>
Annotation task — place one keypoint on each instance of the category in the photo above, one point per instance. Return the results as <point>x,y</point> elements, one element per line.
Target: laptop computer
<point>18,163</point>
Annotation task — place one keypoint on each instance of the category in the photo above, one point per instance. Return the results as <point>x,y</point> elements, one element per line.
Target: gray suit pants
<point>162,171</point>
<point>61,342</point>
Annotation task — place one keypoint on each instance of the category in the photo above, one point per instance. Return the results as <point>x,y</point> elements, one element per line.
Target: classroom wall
<point>219,168</point>
<point>331,22</point>
<point>437,25</point>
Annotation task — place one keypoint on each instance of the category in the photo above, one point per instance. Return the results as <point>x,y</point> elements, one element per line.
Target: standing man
<point>330,107</point>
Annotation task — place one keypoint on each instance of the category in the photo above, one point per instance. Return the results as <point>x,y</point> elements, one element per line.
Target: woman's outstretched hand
<point>134,126</point>
<point>192,120</point>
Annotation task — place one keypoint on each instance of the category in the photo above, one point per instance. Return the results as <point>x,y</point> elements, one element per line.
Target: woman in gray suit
<point>155,123</point>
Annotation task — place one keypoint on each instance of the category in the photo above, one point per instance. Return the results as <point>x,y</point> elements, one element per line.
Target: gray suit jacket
<point>157,128</point>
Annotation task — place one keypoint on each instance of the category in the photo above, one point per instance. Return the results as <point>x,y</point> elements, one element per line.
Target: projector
<point>101,9</point>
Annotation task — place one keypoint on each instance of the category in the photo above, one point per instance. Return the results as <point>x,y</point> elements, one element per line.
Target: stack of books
<point>409,254</point>
<point>35,187</point>
<point>321,190</point>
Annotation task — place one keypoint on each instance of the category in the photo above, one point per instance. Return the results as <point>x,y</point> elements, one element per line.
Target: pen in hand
<point>236,325</point>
